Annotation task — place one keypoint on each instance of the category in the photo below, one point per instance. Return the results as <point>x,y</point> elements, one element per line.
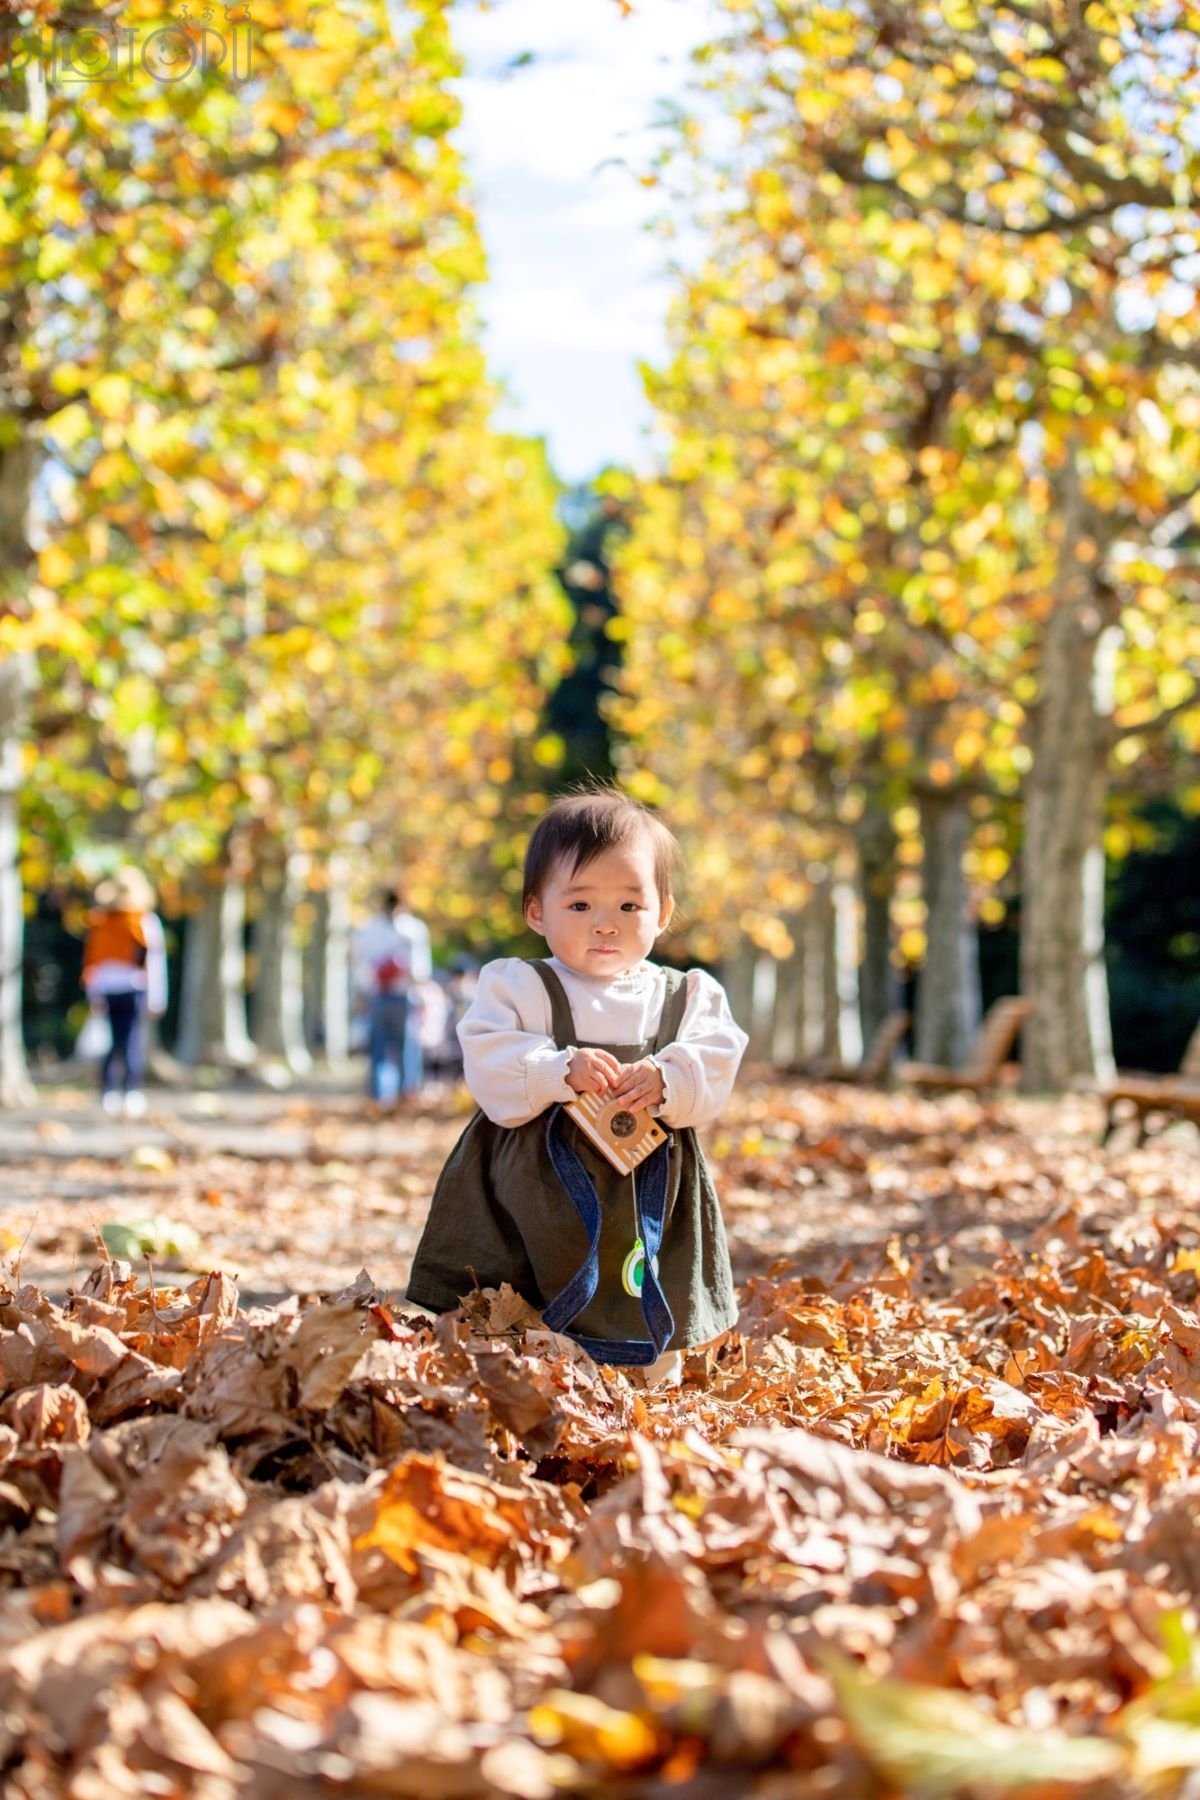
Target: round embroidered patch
<point>633,1270</point>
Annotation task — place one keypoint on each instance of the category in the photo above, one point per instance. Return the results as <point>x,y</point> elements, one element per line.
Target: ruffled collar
<point>633,981</point>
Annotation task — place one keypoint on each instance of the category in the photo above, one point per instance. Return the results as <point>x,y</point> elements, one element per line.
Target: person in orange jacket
<point>125,977</point>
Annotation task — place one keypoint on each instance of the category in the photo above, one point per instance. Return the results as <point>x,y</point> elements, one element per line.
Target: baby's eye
<point>631,904</point>
<point>576,904</point>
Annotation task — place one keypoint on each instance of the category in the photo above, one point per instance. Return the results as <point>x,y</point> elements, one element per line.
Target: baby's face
<point>603,919</point>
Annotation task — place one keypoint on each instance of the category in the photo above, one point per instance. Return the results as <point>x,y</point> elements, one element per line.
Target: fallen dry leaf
<point>924,1522</point>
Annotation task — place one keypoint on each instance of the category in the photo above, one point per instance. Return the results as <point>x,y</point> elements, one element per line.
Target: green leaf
<point>155,1236</point>
<point>934,1741</point>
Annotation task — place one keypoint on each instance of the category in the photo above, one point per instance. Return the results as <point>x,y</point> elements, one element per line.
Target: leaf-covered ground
<point>925,1523</point>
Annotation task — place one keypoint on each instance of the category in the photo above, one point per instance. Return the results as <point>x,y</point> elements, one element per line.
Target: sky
<point>578,289</point>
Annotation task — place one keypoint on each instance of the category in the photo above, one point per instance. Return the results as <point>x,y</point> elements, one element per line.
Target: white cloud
<point>578,289</point>
<point>563,316</point>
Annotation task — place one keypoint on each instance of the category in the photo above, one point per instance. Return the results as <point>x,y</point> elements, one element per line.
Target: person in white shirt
<point>595,1017</point>
<point>390,959</point>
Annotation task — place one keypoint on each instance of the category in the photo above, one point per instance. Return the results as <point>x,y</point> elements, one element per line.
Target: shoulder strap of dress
<point>674,1006</point>
<point>562,1020</point>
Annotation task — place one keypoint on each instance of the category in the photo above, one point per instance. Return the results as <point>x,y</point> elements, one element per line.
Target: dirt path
<point>298,1192</point>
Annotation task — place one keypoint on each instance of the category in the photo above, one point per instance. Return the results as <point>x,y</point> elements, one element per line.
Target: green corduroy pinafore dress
<point>499,1213</point>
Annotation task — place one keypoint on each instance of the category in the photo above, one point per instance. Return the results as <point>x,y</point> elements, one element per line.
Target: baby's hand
<point>592,1071</point>
<point>639,1084</point>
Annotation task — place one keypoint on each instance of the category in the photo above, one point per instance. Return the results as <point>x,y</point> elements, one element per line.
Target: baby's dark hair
<point>577,828</point>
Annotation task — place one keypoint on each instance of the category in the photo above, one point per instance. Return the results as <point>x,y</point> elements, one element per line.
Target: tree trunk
<point>750,977</point>
<point>22,93</point>
<point>16,1089</point>
<point>948,992</point>
<point>845,973</point>
<point>737,975</point>
<point>877,878</point>
<point>1062,885</point>
<point>752,985</point>
<point>278,1008</point>
<point>789,976</point>
<point>818,1030</point>
<point>327,966</point>
<point>212,1023</point>
<point>314,973</point>
<point>18,465</point>
<point>761,1047</point>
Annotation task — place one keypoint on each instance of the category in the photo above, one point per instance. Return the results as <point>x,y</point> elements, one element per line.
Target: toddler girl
<point>525,1197</point>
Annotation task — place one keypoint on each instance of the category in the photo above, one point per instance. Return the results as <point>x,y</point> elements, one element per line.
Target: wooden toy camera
<point>626,1138</point>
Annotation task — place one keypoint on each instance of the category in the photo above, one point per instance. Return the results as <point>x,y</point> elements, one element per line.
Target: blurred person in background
<point>390,959</point>
<point>464,977</point>
<point>433,1005</point>
<point>125,978</point>
<point>439,1033</point>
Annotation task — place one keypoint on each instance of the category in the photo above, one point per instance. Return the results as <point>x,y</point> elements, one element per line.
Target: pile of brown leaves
<point>924,1524</point>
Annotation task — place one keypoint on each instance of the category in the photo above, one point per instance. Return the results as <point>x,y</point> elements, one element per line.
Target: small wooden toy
<point>625,1138</point>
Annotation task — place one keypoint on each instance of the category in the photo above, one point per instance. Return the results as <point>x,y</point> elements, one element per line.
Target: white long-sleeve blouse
<point>514,1070</point>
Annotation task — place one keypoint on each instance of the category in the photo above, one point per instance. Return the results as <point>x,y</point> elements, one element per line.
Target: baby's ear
<point>533,915</point>
<point>666,913</point>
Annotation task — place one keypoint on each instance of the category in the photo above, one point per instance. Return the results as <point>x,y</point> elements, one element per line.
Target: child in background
<point>594,1017</point>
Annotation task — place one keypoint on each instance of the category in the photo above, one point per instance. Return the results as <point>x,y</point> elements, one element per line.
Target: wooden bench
<point>876,1064</point>
<point>1169,1096</point>
<point>987,1054</point>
